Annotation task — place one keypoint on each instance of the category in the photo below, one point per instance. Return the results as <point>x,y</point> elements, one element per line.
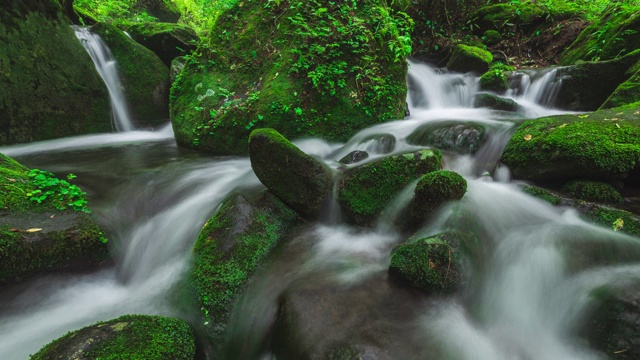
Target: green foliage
<point>56,192</point>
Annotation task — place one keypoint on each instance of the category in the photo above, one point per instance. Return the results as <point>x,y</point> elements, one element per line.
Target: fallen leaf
<point>619,113</point>
<point>431,264</point>
<point>52,216</point>
<point>12,180</point>
<point>583,116</point>
<point>563,125</point>
<point>527,137</point>
<point>32,230</point>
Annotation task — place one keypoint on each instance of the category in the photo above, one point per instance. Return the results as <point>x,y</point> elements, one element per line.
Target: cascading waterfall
<point>525,298</point>
<point>106,67</point>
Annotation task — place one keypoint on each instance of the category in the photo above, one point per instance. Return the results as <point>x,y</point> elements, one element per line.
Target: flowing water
<point>524,298</point>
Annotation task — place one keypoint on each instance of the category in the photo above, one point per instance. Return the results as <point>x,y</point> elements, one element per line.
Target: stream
<point>524,299</point>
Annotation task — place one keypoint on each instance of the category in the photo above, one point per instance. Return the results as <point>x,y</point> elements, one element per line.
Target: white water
<point>521,302</point>
<point>106,67</point>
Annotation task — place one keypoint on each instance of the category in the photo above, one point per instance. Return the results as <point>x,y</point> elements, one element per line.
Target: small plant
<point>56,192</point>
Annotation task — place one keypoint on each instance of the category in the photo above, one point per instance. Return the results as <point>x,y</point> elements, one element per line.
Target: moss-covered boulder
<point>469,59</point>
<point>144,77</point>
<point>127,337</point>
<point>461,137</point>
<point>434,190</point>
<point>304,68</point>
<point>587,85</point>
<point>518,16</point>
<point>592,191</point>
<point>167,40</point>
<point>494,102</point>
<point>366,190</point>
<point>230,248</point>
<point>496,78</point>
<point>597,146</point>
<point>40,230</point>
<point>49,87</point>
<point>298,179</point>
<point>491,37</point>
<point>433,264</point>
<point>628,92</point>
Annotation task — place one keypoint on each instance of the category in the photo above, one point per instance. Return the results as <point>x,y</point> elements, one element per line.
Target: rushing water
<point>523,299</point>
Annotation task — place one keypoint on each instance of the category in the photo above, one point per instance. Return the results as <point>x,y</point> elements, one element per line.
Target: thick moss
<point>131,337</point>
<point>366,190</point>
<point>49,87</point>
<point>433,264</point>
<point>304,68</point>
<point>495,102</point>
<point>496,78</point>
<point>592,191</point>
<point>612,218</point>
<point>143,75</point>
<point>491,37</point>
<point>167,40</point>
<point>626,93</point>
<point>230,248</point>
<point>435,189</point>
<point>599,146</point>
<point>298,179</point>
<point>469,59</point>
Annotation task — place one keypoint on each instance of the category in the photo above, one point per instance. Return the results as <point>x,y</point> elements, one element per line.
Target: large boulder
<point>469,59</point>
<point>127,337</point>
<point>144,77</point>
<point>304,68</point>
<point>167,40</point>
<point>49,87</point>
<point>230,249</point>
<point>366,190</point>
<point>597,146</point>
<point>434,190</point>
<point>44,226</point>
<point>298,179</point>
<point>496,78</point>
<point>461,137</point>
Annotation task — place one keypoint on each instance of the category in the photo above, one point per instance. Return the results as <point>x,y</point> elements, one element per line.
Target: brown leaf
<point>12,180</point>
<point>32,230</point>
<point>527,137</point>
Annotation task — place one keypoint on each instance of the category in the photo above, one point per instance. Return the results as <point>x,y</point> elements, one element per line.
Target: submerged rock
<point>469,59</point>
<point>127,337</point>
<point>434,190</point>
<point>166,40</point>
<point>463,138</point>
<point>49,87</point>
<point>364,191</point>
<point>380,144</point>
<point>354,157</point>
<point>495,102</point>
<point>298,179</point>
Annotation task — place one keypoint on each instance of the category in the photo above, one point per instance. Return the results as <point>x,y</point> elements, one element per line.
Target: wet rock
<point>592,191</point>
<point>495,102</point>
<point>354,157</point>
<point>469,59</point>
<point>434,190</point>
<point>298,179</point>
<point>364,191</point>
<point>463,138</point>
<point>143,75</point>
<point>166,40</point>
<point>379,144</point>
<point>127,337</point>
<point>230,248</point>
<point>496,79</point>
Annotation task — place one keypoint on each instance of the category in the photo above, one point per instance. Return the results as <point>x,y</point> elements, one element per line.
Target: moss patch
<point>541,193</point>
<point>469,59</point>
<point>496,78</point>
<point>592,191</point>
<point>433,190</point>
<point>135,337</point>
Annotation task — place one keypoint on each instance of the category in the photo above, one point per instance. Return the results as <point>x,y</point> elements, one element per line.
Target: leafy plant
<point>57,192</point>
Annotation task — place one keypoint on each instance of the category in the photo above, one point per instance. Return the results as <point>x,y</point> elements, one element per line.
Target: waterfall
<point>432,89</point>
<point>539,87</point>
<point>106,67</point>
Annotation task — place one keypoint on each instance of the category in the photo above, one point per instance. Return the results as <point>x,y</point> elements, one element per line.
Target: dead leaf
<point>583,116</point>
<point>32,230</point>
<point>52,216</point>
<point>431,264</point>
<point>563,125</point>
<point>12,180</point>
<point>527,137</point>
<point>619,113</point>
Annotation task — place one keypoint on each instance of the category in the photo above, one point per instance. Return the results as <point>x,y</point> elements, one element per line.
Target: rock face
<point>127,337</point>
<point>143,75</point>
<point>285,71</point>
<point>230,248</point>
<point>434,190</point>
<point>298,179</point>
<point>366,190</point>
<point>469,59</point>
<point>167,40</point>
<point>463,138</point>
<point>598,146</point>
<point>49,87</point>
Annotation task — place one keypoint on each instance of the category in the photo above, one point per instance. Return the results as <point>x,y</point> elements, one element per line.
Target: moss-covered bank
<point>304,68</point>
<point>131,337</point>
<point>49,87</point>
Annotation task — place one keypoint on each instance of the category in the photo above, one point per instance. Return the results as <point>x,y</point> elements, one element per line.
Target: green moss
<point>592,191</point>
<point>598,146</point>
<point>304,68</point>
<point>469,58</point>
<point>134,337</point>
<point>366,190</point>
<point>433,264</point>
<point>491,37</point>
<point>616,219</point>
<point>626,93</point>
<point>230,248</point>
<point>49,87</point>
<point>542,194</point>
<point>434,189</point>
<point>496,78</point>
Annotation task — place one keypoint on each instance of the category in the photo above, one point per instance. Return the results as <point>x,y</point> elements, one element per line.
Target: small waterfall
<point>540,87</point>
<point>106,66</point>
<point>433,90</point>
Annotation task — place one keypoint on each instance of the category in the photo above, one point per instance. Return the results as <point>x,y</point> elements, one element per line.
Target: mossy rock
<point>144,77</point>
<point>285,70</point>
<point>523,16</point>
<point>626,93</point>
<point>495,102</point>
<point>597,146</point>
<point>230,249</point>
<point>433,264</point>
<point>592,191</point>
<point>541,193</point>
<point>491,37</point>
<point>167,40</point>
<point>613,35</point>
<point>354,157</point>
<point>496,78</point>
<point>298,179</point>
<point>587,85</point>
<point>434,190</point>
<point>135,337</point>
<point>49,87</point>
<point>164,11</point>
<point>366,190</point>
<point>460,137</point>
<point>469,59</point>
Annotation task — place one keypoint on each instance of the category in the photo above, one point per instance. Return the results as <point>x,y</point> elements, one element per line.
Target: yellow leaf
<point>619,113</point>
<point>618,126</point>
<point>618,224</point>
<point>583,116</point>
<point>563,125</point>
<point>32,230</point>
<point>527,137</point>
<point>12,180</point>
